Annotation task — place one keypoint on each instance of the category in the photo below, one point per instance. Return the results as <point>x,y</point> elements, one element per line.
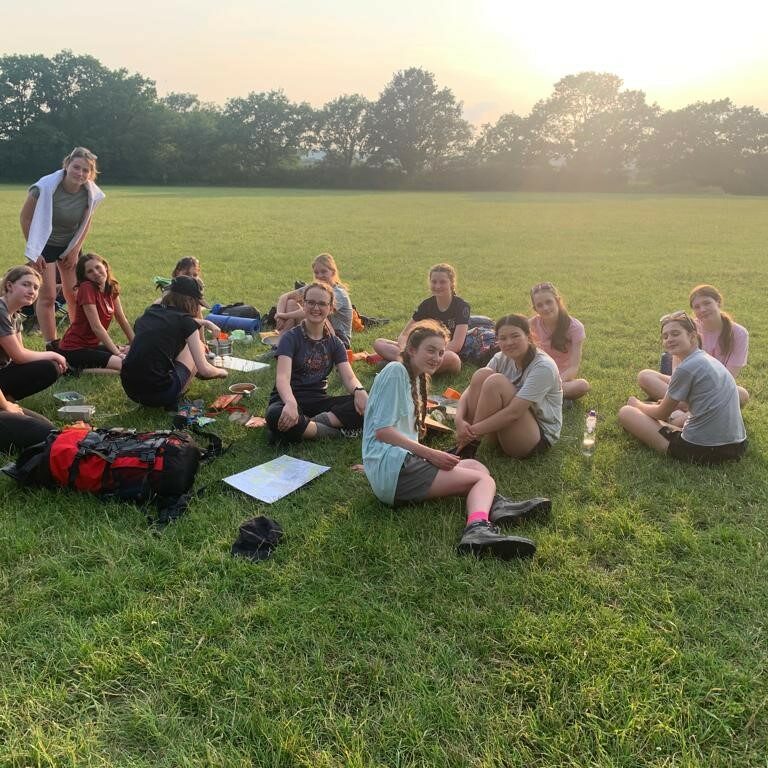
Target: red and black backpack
<point>122,464</point>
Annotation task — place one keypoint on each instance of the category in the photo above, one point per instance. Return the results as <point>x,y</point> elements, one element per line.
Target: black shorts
<point>52,253</point>
<point>167,398</point>
<point>87,357</point>
<point>682,450</point>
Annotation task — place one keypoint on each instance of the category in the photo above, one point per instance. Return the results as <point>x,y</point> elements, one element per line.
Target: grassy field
<point>637,637</point>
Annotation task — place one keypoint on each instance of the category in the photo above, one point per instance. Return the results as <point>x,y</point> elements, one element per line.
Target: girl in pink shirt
<point>560,336</point>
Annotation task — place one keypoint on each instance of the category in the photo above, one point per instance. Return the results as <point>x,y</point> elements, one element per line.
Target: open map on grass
<point>241,364</point>
<point>275,479</point>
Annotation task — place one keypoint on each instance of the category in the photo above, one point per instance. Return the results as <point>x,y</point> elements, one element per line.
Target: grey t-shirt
<point>713,400</point>
<point>541,385</point>
<point>9,325</point>
<point>68,212</point>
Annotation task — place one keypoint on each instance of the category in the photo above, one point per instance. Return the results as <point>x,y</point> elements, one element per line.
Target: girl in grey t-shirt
<point>516,400</point>
<point>714,431</point>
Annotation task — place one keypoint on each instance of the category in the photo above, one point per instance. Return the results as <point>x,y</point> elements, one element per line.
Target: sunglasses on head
<point>679,315</point>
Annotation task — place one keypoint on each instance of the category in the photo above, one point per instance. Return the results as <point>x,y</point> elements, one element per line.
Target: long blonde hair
<point>327,261</point>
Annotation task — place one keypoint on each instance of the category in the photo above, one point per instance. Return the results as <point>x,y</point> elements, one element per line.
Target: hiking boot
<point>467,452</point>
<point>504,511</point>
<point>268,321</point>
<point>351,434</point>
<point>52,346</point>
<point>483,538</point>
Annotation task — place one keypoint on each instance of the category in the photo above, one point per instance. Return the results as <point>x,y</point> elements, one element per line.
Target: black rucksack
<point>238,309</point>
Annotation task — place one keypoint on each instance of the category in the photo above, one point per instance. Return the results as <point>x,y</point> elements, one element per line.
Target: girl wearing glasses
<point>721,337</point>
<point>55,220</point>
<point>516,401</point>
<point>714,431</point>
<point>402,471</point>
<point>445,307</point>
<point>560,336</point>
<point>299,406</point>
<point>290,311</point>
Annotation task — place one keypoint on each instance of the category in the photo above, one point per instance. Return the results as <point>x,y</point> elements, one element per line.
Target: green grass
<point>637,637</point>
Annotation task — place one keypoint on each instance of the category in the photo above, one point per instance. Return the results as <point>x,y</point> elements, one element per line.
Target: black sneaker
<point>504,511</point>
<point>483,538</point>
<point>467,452</point>
<point>52,346</point>
<point>298,284</point>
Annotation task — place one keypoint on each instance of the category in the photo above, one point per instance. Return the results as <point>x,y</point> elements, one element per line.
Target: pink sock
<point>475,516</point>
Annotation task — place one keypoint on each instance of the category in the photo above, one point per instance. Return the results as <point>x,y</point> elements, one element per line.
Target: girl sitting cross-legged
<point>401,470</point>
<point>300,407</point>
<point>714,430</point>
<point>445,307</point>
<point>516,401</point>
<point>87,343</point>
<point>560,336</point>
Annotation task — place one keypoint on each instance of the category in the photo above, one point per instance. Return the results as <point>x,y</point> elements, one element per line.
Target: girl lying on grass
<point>516,401</point>
<point>166,351</point>
<point>401,470</point>
<point>20,428</point>
<point>87,343</point>
<point>299,406</point>
<point>714,431</point>
<point>721,337</point>
<point>445,307</point>
<point>22,371</point>
<point>560,336</point>
<point>290,310</point>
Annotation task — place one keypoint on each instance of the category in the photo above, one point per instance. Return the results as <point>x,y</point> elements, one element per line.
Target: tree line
<point>589,134</point>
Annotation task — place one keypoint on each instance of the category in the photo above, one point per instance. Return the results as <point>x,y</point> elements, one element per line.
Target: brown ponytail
<point>725,339</point>
<point>560,340</point>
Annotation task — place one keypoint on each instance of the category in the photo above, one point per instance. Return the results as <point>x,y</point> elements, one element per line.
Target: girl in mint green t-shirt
<point>402,470</point>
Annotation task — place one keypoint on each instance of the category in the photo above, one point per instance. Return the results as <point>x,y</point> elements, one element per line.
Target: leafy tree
<point>416,125</point>
<point>266,130</point>
<point>341,129</point>
<point>590,127</point>
<point>709,144</point>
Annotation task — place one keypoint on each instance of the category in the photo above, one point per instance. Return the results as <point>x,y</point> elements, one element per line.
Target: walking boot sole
<point>504,548</point>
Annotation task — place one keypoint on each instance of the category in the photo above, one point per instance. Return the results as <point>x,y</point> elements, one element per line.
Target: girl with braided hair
<point>402,470</point>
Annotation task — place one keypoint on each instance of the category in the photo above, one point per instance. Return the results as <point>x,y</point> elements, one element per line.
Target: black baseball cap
<point>188,286</point>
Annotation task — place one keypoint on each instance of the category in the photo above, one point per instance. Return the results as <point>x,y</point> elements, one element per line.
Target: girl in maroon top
<point>87,344</point>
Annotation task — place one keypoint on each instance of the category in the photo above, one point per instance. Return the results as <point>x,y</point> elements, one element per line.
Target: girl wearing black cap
<point>167,351</point>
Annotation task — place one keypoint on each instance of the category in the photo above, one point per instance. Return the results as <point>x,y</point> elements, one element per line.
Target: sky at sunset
<point>495,56</point>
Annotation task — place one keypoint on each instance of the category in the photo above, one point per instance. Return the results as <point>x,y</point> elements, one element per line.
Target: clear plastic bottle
<point>590,434</point>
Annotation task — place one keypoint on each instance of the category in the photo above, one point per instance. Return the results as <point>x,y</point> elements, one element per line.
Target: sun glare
<point>654,45</point>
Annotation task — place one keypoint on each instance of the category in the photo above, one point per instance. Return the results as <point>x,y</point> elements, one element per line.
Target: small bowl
<point>243,388</point>
<point>69,398</point>
<point>72,413</point>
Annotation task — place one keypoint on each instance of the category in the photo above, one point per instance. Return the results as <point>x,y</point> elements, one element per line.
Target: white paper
<point>275,479</point>
<point>239,364</point>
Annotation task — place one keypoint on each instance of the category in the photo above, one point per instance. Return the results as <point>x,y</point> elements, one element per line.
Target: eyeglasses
<point>679,315</point>
<point>314,304</point>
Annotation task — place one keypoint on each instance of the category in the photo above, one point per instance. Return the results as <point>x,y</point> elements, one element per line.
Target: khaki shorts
<point>415,479</point>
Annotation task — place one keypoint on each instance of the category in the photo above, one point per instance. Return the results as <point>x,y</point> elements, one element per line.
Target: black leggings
<point>20,430</point>
<point>19,380</point>
<point>342,407</point>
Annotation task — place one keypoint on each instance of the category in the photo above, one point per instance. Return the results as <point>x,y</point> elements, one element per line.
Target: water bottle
<point>588,441</point>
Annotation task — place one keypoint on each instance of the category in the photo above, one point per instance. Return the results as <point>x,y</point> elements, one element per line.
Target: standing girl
<point>516,401</point>
<point>560,336</point>
<point>721,337</point>
<point>300,407</point>
<point>290,311</point>
<point>714,431</point>
<point>22,371</point>
<point>445,307</point>
<point>55,219</point>
<point>166,351</point>
<point>86,343</point>
<point>401,470</point>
